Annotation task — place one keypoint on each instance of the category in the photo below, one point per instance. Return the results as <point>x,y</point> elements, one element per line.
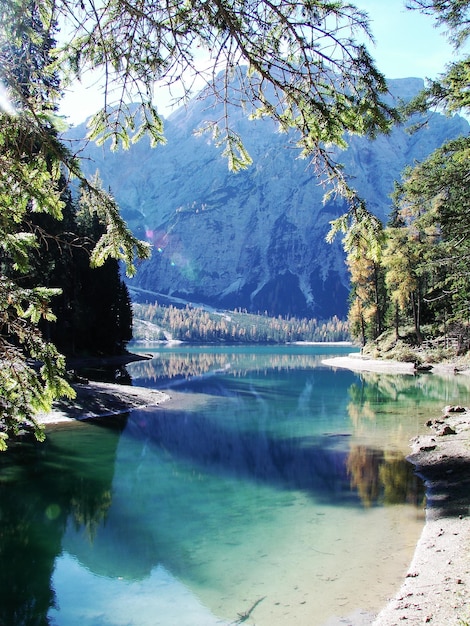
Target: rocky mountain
<point>255,239</point>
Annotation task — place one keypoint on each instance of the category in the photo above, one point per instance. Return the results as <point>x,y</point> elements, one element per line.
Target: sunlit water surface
<point>270,490</point>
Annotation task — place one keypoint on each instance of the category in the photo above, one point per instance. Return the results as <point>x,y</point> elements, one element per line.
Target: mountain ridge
<point>254,239</point>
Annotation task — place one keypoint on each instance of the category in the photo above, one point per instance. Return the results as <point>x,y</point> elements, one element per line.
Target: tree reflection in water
<point>42,488</point>
<point>383,477</point>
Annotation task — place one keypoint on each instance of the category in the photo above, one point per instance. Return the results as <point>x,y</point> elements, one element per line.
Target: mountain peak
<point>255,239</point>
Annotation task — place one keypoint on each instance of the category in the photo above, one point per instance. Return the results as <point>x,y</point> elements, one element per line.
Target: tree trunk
<point>397,319</point>
<point>416,317</point>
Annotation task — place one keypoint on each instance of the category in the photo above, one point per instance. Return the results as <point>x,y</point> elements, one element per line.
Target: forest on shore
<point>153,322</point>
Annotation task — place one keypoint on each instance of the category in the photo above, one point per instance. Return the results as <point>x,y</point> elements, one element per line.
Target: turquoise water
<point>269,490</point>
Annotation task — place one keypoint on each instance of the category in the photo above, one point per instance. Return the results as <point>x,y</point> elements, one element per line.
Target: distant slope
<point>255,239</point>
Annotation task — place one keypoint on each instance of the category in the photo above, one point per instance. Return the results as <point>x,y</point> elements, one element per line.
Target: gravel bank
<point>100,399</point>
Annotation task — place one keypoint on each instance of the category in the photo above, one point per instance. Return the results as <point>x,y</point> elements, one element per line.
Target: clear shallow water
<point>269,485</point>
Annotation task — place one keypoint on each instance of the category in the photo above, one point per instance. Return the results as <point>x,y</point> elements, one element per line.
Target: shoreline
<point>359,363</point>
<point>100,399</point>
<point>436,588</point>
<point>95,400</point>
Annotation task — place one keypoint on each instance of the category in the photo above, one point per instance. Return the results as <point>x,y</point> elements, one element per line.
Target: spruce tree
<point>32,187</point>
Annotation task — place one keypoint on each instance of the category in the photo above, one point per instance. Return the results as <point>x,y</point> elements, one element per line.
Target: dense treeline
<point>196,325</point>
<point>93,312</point>
<point>414,272</point>
<point>411,278</point>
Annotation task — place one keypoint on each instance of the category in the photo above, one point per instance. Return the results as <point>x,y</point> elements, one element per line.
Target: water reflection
<point>319,465</point>
<point>276,468</point>
<point>42,489</point>
<point>383,477</point>
<point>382,400</point>
<point>374,388</point>
<point>218,510</point>
<point>169,366</point>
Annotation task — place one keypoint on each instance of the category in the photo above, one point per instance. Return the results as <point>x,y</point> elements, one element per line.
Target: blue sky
<point>407,45</point>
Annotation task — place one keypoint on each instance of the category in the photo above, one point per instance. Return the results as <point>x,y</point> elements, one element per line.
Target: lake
<point>270,490</point>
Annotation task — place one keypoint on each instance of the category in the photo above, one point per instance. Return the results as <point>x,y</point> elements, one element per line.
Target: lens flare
<point>6,105</point>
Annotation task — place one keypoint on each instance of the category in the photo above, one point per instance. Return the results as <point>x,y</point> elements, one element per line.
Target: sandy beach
<point>436,587</point>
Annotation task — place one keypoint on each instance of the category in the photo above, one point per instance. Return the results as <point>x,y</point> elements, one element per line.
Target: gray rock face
<point>255,239</point>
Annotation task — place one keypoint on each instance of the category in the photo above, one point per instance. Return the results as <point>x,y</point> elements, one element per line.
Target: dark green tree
<point>93,309</point>
<point>33,162</point>
<point>436,199</point>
